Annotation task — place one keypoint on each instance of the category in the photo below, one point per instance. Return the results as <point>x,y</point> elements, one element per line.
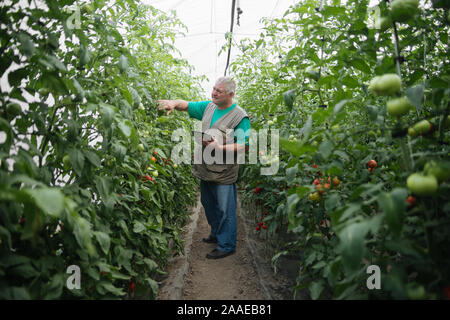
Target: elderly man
<point>218,180</point>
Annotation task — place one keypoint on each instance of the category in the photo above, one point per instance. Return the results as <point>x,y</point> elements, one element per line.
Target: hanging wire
<point>230,36</point>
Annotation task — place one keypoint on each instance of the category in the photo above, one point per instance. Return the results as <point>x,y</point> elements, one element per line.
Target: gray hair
<point>230,84</point>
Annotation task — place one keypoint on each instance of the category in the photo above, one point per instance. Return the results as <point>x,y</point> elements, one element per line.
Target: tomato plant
<point>78,126</point>
<point>375,87</point>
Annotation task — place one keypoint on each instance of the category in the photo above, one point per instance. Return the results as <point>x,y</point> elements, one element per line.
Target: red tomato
<point>372,164</point>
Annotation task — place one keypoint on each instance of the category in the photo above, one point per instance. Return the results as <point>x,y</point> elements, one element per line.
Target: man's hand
<point>213,143</point>
<point>170,105</point>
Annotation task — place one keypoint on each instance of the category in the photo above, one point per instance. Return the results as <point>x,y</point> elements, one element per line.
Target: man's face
<point>220,96</point>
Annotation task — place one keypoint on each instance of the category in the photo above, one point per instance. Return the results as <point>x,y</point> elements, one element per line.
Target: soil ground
<point>229,278</point>
<point>245,275</point>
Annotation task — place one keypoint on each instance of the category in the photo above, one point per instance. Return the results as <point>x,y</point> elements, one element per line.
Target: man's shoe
<point>218,254</point>
<point>210,239</point>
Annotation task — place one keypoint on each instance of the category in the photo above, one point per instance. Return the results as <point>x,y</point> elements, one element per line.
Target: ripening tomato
<point>320,189</point>
<point>336,181</point>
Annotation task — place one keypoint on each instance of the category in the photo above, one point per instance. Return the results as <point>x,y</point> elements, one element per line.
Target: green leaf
<point>339,105</point>
<point>56,62</point>
<point>136,97</point>
<point>123,63</point>
<point>27,44</point>
<point>83,234</point>
<point>104,287</point>
<point>296,147</point>
<point>372,111</point>
<point>350,82</point>
<point>316,289</point>
<point>325,148</point>
<point>49,200</point>
<point>153,285</point>
<point>125,127</point>
<point>104,240</point>
<point>93,158</point>
<point>331,202</point>
<point>360,65</point>
<point>352,244</point>
<point>84,55</point>
<point>289,97</point>
<point>138,227</point>
<point>77,160</point>
<point>54,288</point>
<point>415,95</point>
<point>107,112</point>
<point>393,205</point>
<point>291,173</point>
<point>103,186</point>
<point>15,77</point>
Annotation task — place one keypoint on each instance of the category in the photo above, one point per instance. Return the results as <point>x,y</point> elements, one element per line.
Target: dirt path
<point>229,278</point>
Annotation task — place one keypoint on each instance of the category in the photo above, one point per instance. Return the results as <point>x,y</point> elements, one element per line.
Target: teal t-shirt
<point>197,109</point>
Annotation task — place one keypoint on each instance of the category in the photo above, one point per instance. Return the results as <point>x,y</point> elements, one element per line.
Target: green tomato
<point>386,85</point>
<point>422,127</point>
<point>140,147</point>
<point>44,91</point>
<point>13,109</point>
<point>314,197</point>
<point>155,173</point>
<point>412,132</point>
<point>399,106</point>
<point>416,292</point>
<point>175,166</point>
<point>402,10</point>
<point>422,185</point>
<point>66,161</point>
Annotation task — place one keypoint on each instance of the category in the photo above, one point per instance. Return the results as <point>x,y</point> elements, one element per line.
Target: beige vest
<point>220,173</point>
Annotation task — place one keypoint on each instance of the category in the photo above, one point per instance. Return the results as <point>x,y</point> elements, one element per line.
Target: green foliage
<point>72,186</point>
<point>339,125</point>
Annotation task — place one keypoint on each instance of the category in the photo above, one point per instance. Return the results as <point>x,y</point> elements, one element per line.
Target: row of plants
<point>86,175</point>
<point>361,98</point>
